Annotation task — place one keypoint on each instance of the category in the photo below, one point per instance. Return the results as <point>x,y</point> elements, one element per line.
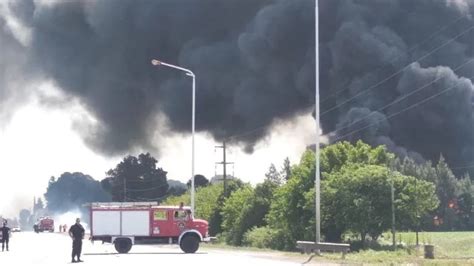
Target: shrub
<point>264,237</point>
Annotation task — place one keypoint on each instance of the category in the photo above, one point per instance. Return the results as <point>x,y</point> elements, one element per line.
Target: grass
<point>451,245</point>
<point>451,248</point>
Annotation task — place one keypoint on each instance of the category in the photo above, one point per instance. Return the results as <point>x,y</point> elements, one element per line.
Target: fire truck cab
<point>128,223</point>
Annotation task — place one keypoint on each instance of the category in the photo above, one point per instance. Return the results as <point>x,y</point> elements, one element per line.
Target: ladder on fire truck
<point>123,204</point>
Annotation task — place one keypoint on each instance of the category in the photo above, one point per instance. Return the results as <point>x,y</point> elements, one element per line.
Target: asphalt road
<point>27,248</point>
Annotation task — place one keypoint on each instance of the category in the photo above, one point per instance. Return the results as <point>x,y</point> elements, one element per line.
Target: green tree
<point>71,191</point>
<point>209,203</point>
<point>232,214</point>
<point>136,179</point>
<point>273,175</point>
<point>206,200</point>
<point>423,171</point>
<point>446,189</point>
<point>286,169</point>
<point>465,202</point>
<point>38,205</point>
<point>335,156</point>
<point>176,188</point>
<point>355,193</point>
<point>24,220</point>
<point>292,210</point>
<point>287,213</point>
<point>199,181</point>
<point>215,221</point>
<point>246,208</point>
<point>357,199</point>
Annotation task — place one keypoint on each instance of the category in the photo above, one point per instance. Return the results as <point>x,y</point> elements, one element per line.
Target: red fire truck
<point>44,224</point>
<point>128,223</point>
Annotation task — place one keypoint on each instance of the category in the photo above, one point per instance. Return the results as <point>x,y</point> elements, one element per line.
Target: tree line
<point>133,179</point>
<point>355,199</point>
<point>356,183</point>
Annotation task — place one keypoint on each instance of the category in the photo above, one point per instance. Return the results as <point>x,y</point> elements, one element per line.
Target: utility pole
<point>416,215</point>
<point>224,165</point>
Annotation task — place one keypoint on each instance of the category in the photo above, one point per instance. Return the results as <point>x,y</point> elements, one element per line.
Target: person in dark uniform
<point>77,234</point>
<point>5,235</point>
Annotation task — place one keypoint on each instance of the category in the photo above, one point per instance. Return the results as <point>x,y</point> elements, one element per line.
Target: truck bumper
<point>209,239</point>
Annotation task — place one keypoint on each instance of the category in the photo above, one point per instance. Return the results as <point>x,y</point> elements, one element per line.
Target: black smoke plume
<point>254,62</point>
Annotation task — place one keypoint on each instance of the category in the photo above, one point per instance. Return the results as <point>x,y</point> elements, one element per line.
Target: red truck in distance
<point>125,224</point>
<point>44,224</point>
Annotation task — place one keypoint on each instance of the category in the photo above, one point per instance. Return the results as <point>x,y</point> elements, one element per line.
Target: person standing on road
<point>77,234</point>
<point>5,235</point>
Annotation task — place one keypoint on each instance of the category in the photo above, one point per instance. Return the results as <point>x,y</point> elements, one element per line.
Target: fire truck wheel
<point>189,244</point>
<point>123,245</point>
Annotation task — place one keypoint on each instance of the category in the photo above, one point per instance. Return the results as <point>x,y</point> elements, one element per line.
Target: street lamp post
<point>318,246</point>
<point>317,178</point>
<point>191,74</point>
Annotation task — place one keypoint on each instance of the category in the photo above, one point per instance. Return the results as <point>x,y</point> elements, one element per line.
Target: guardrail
<point>310,247</point>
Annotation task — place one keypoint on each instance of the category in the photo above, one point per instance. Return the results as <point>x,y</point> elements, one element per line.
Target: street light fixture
<point>191,74</point>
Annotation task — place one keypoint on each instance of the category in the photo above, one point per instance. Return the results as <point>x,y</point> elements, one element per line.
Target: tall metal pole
<point>318,180</point>
<point>193,129</point>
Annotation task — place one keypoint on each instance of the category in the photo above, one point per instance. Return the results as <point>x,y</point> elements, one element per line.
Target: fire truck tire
<point>189,244</point>
<point>123,245</point>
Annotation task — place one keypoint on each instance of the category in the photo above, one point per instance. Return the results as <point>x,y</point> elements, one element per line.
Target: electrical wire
<point>413,48</point>
<point>402,111</point>
<point>249,132</point>
<point>396,73</point>
<point>403,97</point>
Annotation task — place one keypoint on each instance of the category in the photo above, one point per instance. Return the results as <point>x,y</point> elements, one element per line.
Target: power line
<point>403,97</point>
<point>401,111</point>
<point>145,189</point>
<point>463,167</point>
<point>119,182</point>
<point>249,132</point>
<point>396,73</point>
<point>432,35</point>
<point>146,199</point>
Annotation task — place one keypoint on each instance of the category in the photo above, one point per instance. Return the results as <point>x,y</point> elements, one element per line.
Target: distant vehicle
<point>16,229</point>
<point>44,224</point>
<point>127,223</point>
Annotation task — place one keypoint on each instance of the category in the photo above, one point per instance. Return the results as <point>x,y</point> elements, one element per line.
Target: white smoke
<point>68,219</point>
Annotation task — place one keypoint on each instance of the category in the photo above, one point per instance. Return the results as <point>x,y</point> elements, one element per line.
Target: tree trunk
<point>362,238</point>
